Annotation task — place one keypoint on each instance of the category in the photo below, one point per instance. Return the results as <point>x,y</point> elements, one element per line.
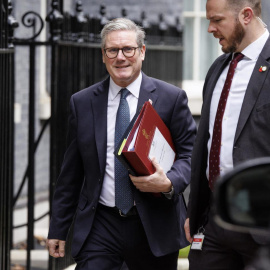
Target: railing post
<point>55,19</point>
<point>103,15</point>
<point>12,24</point>
<point>163,27</point>
<point>124,13</point>
<point>31,156</point>
<point>145,24</point>
<point>6,131</point>
<point>81,22</point>
<point>179,30</point>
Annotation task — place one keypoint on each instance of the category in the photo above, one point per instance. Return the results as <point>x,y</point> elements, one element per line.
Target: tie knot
<point>238,57</point>
<point>124,93</point>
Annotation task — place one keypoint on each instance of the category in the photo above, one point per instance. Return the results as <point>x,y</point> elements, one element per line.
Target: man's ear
<point>143,50</point>
<point>103,55</point>
<point>246,15</point>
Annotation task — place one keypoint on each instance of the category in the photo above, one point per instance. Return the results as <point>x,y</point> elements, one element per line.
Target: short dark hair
<point>237,5</point>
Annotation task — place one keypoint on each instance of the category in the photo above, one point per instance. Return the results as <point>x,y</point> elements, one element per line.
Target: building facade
<point>201,48</point>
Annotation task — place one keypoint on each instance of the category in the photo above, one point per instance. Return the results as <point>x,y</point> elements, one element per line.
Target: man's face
<point>123,70</point>
<point>224,25</point>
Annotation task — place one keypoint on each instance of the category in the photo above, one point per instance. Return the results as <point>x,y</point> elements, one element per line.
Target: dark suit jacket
<point>79,184</point>
<point>252,133</point>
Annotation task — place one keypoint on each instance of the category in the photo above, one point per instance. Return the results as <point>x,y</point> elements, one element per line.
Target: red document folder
<point>133,151</point>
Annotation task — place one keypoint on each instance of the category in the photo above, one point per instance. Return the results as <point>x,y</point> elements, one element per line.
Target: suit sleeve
<point>183,130</point>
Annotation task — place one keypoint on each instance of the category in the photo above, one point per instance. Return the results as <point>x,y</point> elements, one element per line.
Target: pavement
<point>40,258</point>
<point>182,265</point>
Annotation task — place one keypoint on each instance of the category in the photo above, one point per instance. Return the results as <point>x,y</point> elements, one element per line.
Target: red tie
<point>214,159</point>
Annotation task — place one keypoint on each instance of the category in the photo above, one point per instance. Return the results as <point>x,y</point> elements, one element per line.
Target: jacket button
<point>93,208</point>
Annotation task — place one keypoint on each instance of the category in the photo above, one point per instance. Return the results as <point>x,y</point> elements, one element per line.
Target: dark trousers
<point>114,240</point>
<point>223,249</point>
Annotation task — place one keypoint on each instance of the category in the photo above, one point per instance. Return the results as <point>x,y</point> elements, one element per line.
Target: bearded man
<point>234,127</point>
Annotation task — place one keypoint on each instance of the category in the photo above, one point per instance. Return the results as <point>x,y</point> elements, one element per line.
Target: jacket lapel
<point>147,91</point>
<point>209,87</point>
<point>254,88</point>
<point>99,104</point>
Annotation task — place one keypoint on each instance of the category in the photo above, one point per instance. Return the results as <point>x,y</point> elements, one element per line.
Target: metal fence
<point>6,131</point>
<point>6,157</point>
<point>75,63</point>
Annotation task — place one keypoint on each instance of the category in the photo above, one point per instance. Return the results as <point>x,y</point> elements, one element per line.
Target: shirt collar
<point>133,88</point>
<point>255,48</point>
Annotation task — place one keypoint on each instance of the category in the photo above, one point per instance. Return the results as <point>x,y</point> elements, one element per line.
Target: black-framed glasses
<point>127,52</point>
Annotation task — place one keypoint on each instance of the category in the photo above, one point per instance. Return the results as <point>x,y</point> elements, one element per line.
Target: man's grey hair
<point>122,24</point>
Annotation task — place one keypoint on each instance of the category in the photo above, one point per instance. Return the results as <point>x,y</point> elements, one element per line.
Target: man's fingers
<point>62,248</point>
<point>187,231</point>
<point>156,164</point>
<point>56,247</point>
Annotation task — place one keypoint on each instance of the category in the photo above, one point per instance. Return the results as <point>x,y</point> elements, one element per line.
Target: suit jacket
<point>252,133</point>
<point>79,184</point>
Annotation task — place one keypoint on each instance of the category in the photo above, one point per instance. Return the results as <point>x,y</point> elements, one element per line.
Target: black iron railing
<point>6,153</point>
<point>7,23</point>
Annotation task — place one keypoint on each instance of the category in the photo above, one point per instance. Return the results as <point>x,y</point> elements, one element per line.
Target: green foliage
<point>183,253</point>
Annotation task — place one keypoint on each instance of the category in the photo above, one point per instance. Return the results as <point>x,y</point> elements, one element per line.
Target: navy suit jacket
<point>252,133</point>
<point>79,184</point>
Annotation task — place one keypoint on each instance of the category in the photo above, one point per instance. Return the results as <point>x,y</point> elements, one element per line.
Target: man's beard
<point>235,39</point>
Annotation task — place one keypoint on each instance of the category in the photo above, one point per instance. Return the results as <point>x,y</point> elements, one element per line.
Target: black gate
<point>7,23</point>
<point>75,62</point>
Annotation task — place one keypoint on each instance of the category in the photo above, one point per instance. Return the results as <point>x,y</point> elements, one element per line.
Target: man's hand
<point>156,182</point>
<point>187,231</point>
<point>56,247</point>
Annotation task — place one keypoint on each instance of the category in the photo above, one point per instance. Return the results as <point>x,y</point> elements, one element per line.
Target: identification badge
<point>197,242</point>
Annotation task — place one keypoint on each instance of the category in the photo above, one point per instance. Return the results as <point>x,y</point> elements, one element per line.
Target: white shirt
<point>107,196</point>
<point>234,103</point>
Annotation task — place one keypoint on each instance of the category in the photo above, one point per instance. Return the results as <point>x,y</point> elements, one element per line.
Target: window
<point>265,12</point>
<point>200,50</point>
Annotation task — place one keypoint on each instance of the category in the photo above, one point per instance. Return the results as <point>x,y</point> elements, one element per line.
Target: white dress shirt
<point>234,103</point>
<point>107,196</point>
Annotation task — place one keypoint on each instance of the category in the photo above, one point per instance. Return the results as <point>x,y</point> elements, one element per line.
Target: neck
<point>254,30</point>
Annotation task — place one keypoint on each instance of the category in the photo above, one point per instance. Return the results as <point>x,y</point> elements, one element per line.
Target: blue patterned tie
<point>123,191</point>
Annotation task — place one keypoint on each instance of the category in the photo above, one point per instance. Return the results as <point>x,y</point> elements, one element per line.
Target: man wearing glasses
<point>146,230</point>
